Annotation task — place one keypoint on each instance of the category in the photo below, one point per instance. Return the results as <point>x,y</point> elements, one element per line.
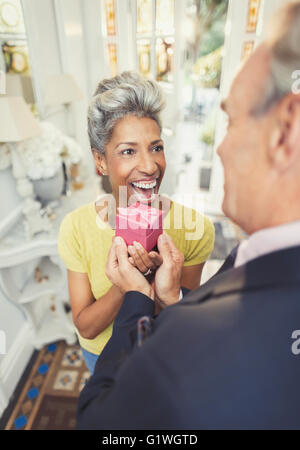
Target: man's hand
<point>122,274</point>
<point>168,275</point>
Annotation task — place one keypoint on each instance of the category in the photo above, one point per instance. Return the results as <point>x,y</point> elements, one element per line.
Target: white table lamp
<point>21,86</point>
<point>62,89</point>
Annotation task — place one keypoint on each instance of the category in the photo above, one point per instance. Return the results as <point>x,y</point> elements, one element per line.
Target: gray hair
<point>284,41</point>
<point>125,94</point>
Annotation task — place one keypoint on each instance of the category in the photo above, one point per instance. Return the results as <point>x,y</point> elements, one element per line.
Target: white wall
<point>44,54</point>
<point>70,28</point>
<point>97,67</point>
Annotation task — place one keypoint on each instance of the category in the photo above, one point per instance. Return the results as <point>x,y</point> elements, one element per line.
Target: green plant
<point>206,72</point>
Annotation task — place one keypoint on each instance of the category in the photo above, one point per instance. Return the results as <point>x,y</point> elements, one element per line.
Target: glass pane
<point>165,16</point>
<point>253,15</point>
<point>144,16</point>
<point>164,59</point>
<point>247,49</point>
<point>206,71</point>
<point>144,57</point>
<point>203,25</point>
<point>110,17</point>
<point>112,54</point>
<point>11,17</point>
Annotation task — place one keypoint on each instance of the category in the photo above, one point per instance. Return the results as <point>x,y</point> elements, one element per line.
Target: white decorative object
<point>9,14</point>
<point>42,156</point>
<point>18,124</point>
<point>49,189</point>
<point>34,222</point>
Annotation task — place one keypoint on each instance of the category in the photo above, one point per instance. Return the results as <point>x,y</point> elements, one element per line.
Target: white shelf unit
<point>34,290</point>
<point>52,328</point>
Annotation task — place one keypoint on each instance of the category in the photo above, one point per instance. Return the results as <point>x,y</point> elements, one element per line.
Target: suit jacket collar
<point>271,270</point>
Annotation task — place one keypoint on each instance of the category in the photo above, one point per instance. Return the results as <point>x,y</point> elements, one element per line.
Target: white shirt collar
<point>267,241</point>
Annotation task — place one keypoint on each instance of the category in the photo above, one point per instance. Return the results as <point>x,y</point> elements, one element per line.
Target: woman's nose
<point>147,164</point>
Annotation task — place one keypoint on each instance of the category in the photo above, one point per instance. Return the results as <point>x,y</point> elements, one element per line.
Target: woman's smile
<point>144,190</point>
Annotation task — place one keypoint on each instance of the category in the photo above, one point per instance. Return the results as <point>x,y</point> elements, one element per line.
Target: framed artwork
<point>11,17</point>
<point>16,57</point>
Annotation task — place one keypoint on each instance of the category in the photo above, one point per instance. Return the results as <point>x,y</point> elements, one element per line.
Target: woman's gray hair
<point>284,41</point>
<point>125,94</point>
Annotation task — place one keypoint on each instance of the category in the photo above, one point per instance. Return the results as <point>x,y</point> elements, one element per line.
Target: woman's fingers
<point>142,259</point>
<point>138,261</point>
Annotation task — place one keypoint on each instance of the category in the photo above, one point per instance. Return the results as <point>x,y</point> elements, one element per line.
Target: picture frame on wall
<point>16,57</point>
<point>11,17</point>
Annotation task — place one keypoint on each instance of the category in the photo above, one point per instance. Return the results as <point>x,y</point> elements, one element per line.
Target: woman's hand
<point>122,274</point>
<point>143,260</point>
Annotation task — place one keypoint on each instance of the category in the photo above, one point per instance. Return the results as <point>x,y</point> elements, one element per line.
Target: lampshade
<point>61,89</point>
<point>17,121</point>
<point>20,85</point>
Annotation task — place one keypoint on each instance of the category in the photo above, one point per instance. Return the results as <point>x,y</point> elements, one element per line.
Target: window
<point>110,35</point>
<point>155,39</point>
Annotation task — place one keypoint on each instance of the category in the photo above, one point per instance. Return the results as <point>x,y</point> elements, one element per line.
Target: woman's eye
<point>128,151</point>
<point>158,148</point>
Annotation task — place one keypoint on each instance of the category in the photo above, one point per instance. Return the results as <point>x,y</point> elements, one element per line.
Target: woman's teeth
<point>145,185</point>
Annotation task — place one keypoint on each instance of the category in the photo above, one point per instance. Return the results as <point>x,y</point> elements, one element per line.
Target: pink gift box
<point>139,223</point>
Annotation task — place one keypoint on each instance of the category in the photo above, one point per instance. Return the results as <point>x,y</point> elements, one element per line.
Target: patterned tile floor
<point>48,400</point>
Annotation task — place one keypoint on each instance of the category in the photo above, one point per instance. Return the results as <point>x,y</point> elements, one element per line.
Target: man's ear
<point>100,161</point>
<point>285,137</point>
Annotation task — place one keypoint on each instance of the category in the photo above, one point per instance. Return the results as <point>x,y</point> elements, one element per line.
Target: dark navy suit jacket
<point>220,359</point>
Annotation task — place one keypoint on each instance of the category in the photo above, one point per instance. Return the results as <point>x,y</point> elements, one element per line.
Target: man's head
<point>261,150</point>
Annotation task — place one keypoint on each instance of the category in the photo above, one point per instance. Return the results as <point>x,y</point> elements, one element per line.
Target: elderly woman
<point>125,135</point>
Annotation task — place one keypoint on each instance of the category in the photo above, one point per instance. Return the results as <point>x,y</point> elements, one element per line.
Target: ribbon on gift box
<point>148,214</point>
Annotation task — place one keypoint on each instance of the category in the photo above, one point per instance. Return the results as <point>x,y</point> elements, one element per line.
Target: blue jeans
<point>90,359</point>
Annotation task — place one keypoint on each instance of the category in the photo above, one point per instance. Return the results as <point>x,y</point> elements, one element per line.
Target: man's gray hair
<point>284,41</point>
<point>125,94</point>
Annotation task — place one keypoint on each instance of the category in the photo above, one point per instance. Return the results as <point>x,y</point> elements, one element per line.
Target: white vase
<point>49,189</point>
